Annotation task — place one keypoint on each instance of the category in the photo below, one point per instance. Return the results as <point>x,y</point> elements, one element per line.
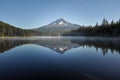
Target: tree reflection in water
<point>104,45</point>
<point>61,45</point>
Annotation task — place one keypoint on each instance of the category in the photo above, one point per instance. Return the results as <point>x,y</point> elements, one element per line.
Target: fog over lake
<point>59,58</point>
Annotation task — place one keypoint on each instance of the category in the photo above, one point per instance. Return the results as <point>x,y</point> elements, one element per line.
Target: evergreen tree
<point>104,22</point>
<point>9,30</point>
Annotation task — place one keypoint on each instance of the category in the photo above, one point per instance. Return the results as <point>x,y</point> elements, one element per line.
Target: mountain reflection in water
<point>63,44</point>
<point>39,58</point>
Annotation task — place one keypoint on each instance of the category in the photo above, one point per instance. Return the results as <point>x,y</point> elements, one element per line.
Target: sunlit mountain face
<point>59,25</point>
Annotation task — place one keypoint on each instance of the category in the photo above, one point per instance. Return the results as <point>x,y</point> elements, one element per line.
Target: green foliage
<point>9,30</point>
<point>105,29</point>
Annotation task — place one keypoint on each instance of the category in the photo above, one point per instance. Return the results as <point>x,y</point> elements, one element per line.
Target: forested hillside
<point>105,29</point>
<point>9,30</point>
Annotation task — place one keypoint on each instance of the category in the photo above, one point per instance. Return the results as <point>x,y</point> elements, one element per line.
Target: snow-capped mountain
<point>59,25</point>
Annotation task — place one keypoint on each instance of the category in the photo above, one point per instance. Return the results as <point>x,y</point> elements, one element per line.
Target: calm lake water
<point>59,58</point>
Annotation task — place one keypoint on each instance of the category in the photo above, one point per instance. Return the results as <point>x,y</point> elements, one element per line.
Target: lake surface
<point>59,58</point>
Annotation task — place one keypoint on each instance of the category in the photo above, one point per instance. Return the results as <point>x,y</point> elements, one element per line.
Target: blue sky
<point>36,13</point>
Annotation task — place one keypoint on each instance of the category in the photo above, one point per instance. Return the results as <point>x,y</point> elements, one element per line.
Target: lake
<point>59,58</point>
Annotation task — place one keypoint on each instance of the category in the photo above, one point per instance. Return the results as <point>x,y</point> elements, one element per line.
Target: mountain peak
<point>59,25</point>
<point>61,20</point>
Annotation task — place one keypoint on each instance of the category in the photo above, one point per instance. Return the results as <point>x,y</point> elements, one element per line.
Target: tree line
<point>105,29</point>
<point>111,29</point>
<point>9,30</point>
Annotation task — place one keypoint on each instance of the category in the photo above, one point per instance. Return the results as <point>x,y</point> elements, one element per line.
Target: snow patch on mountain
<point>61,22</point>
<point>59,25</point>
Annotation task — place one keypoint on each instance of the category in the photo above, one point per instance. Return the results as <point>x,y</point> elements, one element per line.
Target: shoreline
<point>61,37</point>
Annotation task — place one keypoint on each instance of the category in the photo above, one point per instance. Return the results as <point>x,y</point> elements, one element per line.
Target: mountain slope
<point>9,30</point>
<point>57,27</point>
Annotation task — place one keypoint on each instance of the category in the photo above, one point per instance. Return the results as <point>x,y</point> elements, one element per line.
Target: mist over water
<point>61,58</point>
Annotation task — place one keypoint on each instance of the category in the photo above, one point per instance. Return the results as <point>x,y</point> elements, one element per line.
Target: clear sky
<point>36,13</point>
